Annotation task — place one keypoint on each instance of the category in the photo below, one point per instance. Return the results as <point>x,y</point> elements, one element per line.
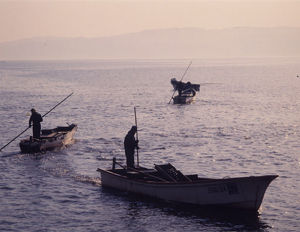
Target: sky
<point>21,19</point>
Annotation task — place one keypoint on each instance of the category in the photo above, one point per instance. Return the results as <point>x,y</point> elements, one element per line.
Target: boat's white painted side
<point>243,192</point>
<point>63,138</point>
<point>60,139</point>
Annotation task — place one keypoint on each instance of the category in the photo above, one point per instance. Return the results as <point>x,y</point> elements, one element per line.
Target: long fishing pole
<point>29,127</point>
<point>180,80</point>
<point>137,138</point>
<point>15,138</point>
<point>58,104</point>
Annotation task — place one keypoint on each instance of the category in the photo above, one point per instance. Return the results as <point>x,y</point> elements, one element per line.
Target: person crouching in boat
<point>130,144</point>
<point>36,120</point>
<point>180,86</point>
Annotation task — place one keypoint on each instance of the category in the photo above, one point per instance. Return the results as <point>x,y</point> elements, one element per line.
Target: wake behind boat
<point>49,140</point>
<point>167,183</point>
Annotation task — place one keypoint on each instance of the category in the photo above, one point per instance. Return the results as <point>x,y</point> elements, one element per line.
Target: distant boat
<point>49,140</point>
<point>187,85</point>
<point>187,96</point>
<point>167,183</point>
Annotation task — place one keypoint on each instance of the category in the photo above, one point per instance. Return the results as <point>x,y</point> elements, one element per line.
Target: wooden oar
<point>137,138</point>
<point>180,81</point>
<point>29,127</point>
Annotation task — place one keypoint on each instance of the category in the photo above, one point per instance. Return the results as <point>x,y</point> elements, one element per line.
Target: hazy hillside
<point>162,44</point>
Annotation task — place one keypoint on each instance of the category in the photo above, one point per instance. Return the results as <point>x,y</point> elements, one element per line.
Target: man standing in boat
<point>130,144</point>
<point>36,120</point>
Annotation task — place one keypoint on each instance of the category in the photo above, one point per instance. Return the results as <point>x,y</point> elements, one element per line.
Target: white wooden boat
<point>166,183</point>
<point>49,140</point>
<point>186,97</point>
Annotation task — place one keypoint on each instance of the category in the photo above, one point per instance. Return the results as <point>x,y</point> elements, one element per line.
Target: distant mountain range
<point>161,44</point>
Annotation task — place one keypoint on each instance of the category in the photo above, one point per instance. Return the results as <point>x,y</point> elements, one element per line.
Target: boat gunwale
<point>53,136</point>
<point>204,181</point>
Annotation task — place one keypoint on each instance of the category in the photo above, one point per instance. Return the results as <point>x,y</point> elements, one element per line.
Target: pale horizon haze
<point>26,19</point>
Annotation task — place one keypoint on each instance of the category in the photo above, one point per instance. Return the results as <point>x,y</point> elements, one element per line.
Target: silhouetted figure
<point>180,87</point>
<point>36,120</point>
<point>130,144</point>
<point>188,85</point>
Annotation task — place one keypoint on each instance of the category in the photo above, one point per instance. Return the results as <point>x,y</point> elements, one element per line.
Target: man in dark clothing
<point>180,87</point>
<point>36,120</point>
<point>130,144</point>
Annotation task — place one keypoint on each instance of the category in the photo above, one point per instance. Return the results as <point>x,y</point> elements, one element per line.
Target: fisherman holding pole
<point>130,144</point>
<point>36,128</point>
<point>180,83</point>
<point>36,120</point>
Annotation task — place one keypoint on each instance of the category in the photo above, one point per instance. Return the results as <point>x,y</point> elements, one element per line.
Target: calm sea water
<point>245,121</point>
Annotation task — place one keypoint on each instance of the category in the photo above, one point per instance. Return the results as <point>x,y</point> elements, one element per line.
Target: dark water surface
<point>245,121</point>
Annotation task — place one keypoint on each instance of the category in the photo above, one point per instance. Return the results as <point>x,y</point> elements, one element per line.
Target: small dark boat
<point>187,85</point>
<point>49,140</point>
<point>167,183</point>
<point>187,96</point>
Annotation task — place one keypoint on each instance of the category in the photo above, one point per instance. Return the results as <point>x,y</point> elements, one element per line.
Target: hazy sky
<point>86,18</point>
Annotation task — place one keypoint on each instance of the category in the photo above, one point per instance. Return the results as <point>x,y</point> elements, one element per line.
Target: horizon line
<point>147,30</point>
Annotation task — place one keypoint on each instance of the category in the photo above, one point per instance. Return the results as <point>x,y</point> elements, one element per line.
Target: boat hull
<point>183,99</point>
<point>50,140</point>
<point>187,96</point>
<point>244,192</point>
